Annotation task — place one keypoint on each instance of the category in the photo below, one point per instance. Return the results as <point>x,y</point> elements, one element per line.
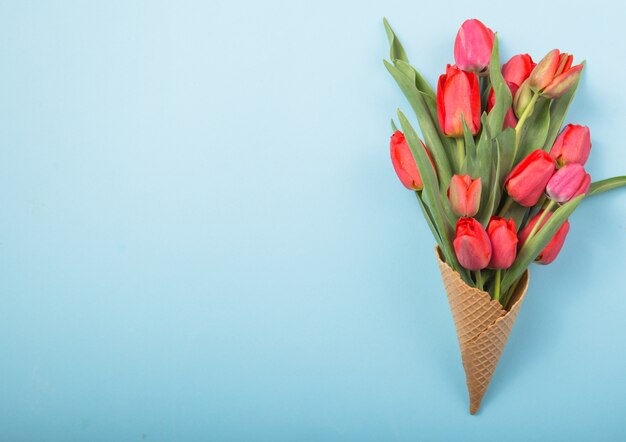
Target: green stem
<point>542,201</point>
<point>485,88</point>
<point>520,124</point>
<point>507,297</point>
<point>507,205</point>
<point>540,220</point>
<point>460,149</point>
<point>479,280</point>
<point>496,292</point>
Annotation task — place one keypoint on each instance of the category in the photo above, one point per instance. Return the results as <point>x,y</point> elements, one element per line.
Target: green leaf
<point>407,70</point>
<point>471,162</point>
<point>421,84</point>
<point>495,120</point>
<point>517,212</point>
<point>396,51</point>
<point>505,143</point>
<point>494,193</point>
<point>430,193</point>
<point>484,155</point>
<point>535,130</point>
<point>393,126</point>
<point>558,110</point>
<point>493,196</point>
<point>608,184</point>
<point>428,94</point>
<point>484,93</point>
<point>428,126</point>
<point>429,218</point>
<point>536,244</point>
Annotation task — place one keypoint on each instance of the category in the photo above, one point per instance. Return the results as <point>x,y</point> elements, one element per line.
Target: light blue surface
<point>202,236</point>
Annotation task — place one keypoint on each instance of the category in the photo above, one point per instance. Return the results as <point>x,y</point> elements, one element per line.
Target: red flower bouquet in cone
<point>497,178</point>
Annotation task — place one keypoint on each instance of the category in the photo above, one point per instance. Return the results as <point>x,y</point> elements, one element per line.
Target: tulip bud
<point>527,181</point>
<point>517,69</point>
<point>471,244</point>
<point>568,182</point>
<point>552,249</point>
<point>458,97</point>
<point>503,237</point>
<point>464,195</point>
<point>545,71</point>
<point>404,163</point>
<point>554,74</point>
<point>572,145</point>
<point>522,98</point>
<point>473,46</point>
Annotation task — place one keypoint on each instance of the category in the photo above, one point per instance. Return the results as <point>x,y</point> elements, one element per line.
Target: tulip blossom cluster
<point>498,173</point>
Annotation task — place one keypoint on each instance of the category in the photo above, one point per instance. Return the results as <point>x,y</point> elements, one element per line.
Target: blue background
<point>202,236</point>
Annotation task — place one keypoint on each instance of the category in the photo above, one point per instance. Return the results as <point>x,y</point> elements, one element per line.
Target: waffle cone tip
<point>474,407</point>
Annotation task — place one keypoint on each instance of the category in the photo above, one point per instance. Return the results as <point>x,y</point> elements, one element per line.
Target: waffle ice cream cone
<point>482,326</point>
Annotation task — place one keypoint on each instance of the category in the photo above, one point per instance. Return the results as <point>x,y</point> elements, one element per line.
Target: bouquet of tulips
<point>497,177</point>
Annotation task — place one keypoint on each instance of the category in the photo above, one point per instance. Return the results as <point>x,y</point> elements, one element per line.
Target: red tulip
<point>458,96</point>
<point>464,195</point>
<point>473,46</point>
<point>471,244</point>
<point>552,249</point>
<point>568,182</point>
<point>554,75</point>
<point>517,69</point>
<point>503,238</point>
<point>527,181</point>
<point>404,163</point>
<point>510,120</point>
<point>572,145</point>
<point>515,72</point>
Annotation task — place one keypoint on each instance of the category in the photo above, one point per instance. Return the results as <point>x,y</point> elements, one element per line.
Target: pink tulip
<point>572,145</point>
<point>568,182</point>
<point>473,46</point>
<point>527,181</point>
<point>471,244</point>
<point>503,238</point>
<point>552,249</point>
<point>404,163</point>
<point>464,195</point>
<point>458,97</point>
<point>554,75</point>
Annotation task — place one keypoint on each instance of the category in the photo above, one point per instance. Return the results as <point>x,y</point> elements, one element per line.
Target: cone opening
<point>519,290</point>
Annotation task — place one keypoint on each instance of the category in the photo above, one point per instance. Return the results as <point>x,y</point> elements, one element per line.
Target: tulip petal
<point>473,46</point>
<point>527,181</point>
<point>441,109</point>
<point>461,100</point>
<point>503,238</point>
<point>563,82</point>
<point>517,69</point>
<point>471,244</point>
<point>572,145</point>
<point>545,70</point>
<point>567,183</point>
<point>553,248</point>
